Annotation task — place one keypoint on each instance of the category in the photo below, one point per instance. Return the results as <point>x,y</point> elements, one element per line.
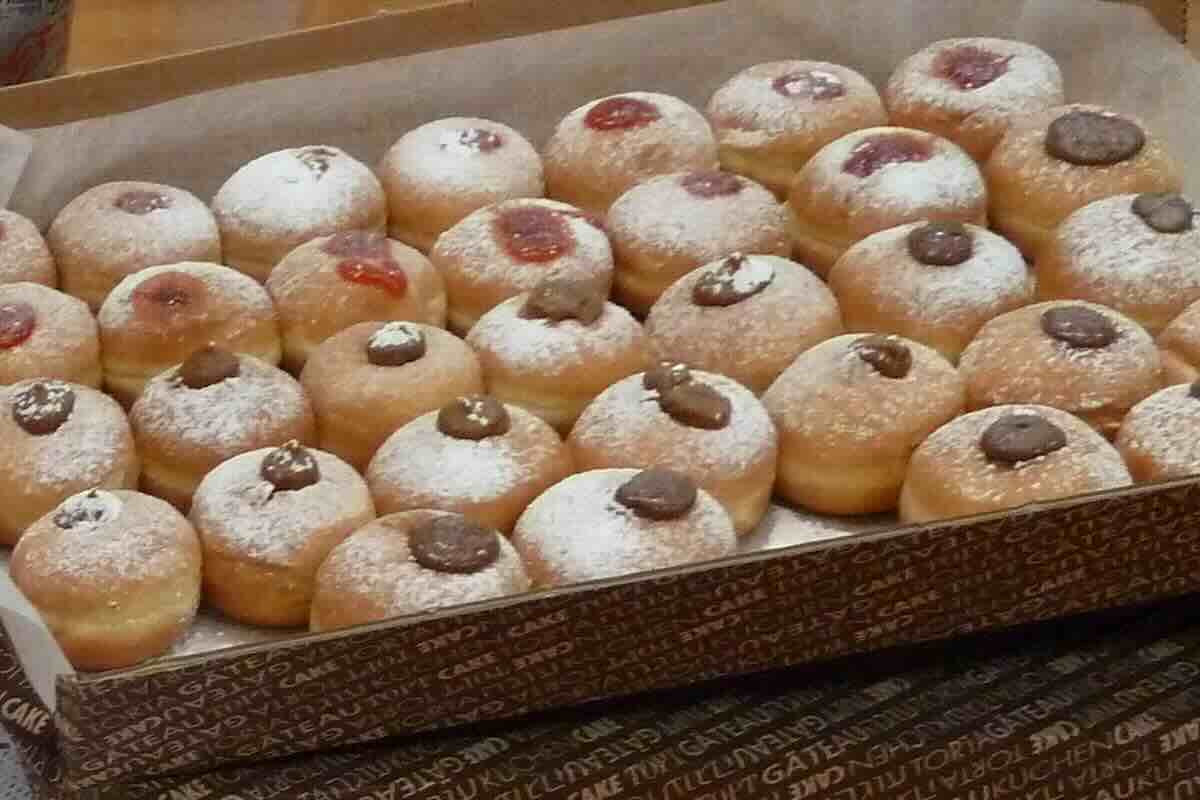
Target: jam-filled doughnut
<point>1179,346</point>
<point>1055,161</point>
<point>158,317</point>
<point>374,378</point>
<point>24,255</point>
<point>47,334</point>
<point>936,283</point>
<point>442,171</point>
<point>875,179</point>
<point>849,413</point>
<point>1158,437</point>
<point>606,523</point>
<point>704,425</point>
<point>282,199</point>
<point>1079,357</point>
<point>1006,457</point>
<point>115,229</point>
<point>410,563</point>
<point>330,283</point>
<point>552,350</point>
<point>508,248</point>
<point>604,147</point>
<point>267,519</point>
<point>114,574</point>
<point>59,439</point>
<point>1137,254</point>
<point>745,316</point>
<point>668,226</point>
<point>968,90</point>
<point>210,408</point>
<point>771,118</point>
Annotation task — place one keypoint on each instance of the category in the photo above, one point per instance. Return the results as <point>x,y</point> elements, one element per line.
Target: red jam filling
<point>17,321</point>
<point>386,275</point>
<point>480,140</point>
<point>621,113</point>
<point>879,151</point>
<point>712,184</point>
<point>168,293</point>
<point>970,67</point>
<point>534,233</point>
<point>809,84</point>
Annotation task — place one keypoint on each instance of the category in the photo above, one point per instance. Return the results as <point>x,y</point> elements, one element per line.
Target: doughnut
<point>59,439</point>
<point>444,170</point>
<point>771,118</point>
<point>212,407</point>
<point>267,519</point>
<point>114,574</point>
<point>604,147</point>
<point>968,90</point>
<point>607,523</point>
<point>1137,254</point>
<point>373,378</point>
<point>1158,437</point>
<point>936,283</point>
<point>552,350</point>
<point>158,317</point>
<point>1007,457</point>
<point>1058,160</point>
<point>875,179</point>
<point>745,316</point>
<point>849,413</point>
<point>410,563</point>
<point>116,229</point>
<point>280,200</point>
<point>1179,346</point>
<point>24,255</point>
<point>47,334</point>
<point>475,456</point>
<point>1079,357</point>
<point>668,226</point>
<point>704,425</point>
<point>330,283</point>
<point>508,248</point>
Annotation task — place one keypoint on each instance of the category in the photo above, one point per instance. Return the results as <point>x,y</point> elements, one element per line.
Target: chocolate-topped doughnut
<point>59,439</point>
<point>116,229</point>
<point>508,248</point>
<point>24,255</point>
<point>47,334</point>
<point>968,90</point>
<point>1055,161</point>
<point>410,563</point>
<point>332,282</point>
<point>849,413</point>
<point>442,171</point>
<point>374,378</point>
<point>936,283</point>
<point>745,316</point>
<point>601,149</point>
<point>1007,457</point>
<point>635,520</point>
<point>875,179</point>
<point>1158,437</point>
<point>771,118</point>
<point>704,425</point>
<point>670,225</point>
<point>158,317</point>
<point>282,199</point>
<point>1080,357</point>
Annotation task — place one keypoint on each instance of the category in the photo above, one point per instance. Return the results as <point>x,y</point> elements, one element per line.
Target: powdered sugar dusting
<point>64,329</point>
<point>396,334</point>
<point>1163,428</point>
<point>445,157</point>
<point>230,293</point>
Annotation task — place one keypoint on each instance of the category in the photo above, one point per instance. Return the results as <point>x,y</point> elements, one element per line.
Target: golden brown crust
<point>64,343</point>
<point>24,254</point>
<point>1158,436</point>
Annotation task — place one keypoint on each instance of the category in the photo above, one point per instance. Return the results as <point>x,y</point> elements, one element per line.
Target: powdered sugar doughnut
<point>280,200</point>
<point>771,118</point>
<point>747,317</point>
<point>1007,457</point>
<point>1179,346</point>
<point>442,171</point>
<point>875,179</point>
<point>601,149</point>
<point>47,334</point>
<point>410,563</point>
<point>116,229</point>
<point>267,519</point>
<point>670,225</point>
<point>607,523</point>
<point>505,249</point>
<point>968,90</point>
<point>158,317</point>
<point>24,255</point>
<point>1158,436</point>
<point>59,439</point>
<point>934,283</point>
<point>330,283</point>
